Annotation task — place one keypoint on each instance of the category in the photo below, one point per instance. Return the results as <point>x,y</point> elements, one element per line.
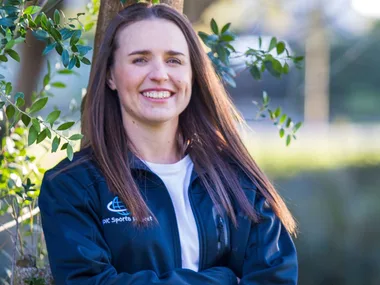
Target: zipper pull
<point>220,227</point>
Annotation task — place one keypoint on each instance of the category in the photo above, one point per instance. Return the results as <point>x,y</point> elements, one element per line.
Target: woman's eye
<point>139,60</point>
<point>174,60</point>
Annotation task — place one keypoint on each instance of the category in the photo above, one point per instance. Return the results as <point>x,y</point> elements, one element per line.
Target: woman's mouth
<point>157,94</point>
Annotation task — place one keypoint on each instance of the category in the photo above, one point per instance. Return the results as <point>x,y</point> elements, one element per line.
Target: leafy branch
<point>257,61</point>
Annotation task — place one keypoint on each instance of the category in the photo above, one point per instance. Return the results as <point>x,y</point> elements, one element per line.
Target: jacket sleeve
<point>78,253</point>
<point>270,256</point>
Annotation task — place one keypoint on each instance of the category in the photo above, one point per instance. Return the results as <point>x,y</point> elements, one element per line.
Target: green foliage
<point>287,128</point>
<point>221,49</point>
<point>257,62</point>
<point>20,176</point>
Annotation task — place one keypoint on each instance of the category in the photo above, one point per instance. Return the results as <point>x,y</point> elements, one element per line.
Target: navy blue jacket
<point>91,238</point>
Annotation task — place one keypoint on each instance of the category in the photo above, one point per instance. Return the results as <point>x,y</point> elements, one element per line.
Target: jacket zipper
<point>220,236</point>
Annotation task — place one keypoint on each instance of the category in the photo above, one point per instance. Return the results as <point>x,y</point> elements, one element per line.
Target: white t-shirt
<point>176,178</point>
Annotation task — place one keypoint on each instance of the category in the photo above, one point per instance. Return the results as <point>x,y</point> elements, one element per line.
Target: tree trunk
<point>107,10</point>
<point>317,71</point>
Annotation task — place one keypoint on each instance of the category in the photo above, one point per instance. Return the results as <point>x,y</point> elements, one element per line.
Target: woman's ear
<point>110,81</point>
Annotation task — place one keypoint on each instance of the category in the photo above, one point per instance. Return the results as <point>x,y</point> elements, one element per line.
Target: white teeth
<point>155,94</point>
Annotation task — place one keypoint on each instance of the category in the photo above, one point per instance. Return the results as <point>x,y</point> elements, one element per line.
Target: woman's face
<point>152,72</point>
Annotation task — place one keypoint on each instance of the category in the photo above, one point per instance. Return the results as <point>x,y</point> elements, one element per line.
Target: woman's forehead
<point>154,35</point>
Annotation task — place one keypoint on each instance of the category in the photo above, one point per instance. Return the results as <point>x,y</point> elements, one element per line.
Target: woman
<point>164,192</point>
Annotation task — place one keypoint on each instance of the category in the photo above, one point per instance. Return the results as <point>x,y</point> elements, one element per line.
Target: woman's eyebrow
<point>148,52</point>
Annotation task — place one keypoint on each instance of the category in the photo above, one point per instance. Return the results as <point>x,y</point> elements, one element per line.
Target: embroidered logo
<point>117,206</point>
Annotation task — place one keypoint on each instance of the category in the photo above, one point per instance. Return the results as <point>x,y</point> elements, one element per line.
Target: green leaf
<point>154,2</point>
<point>70,152</point>
<point>42,135</point>
<point>285,68</point>
<point>260,42</point>
<point>13,54</point>
<point>74,48</point>
<point>265,98</point>
<point>225,28</point>
<point>77,62</point>
<point>7,22</point>
<point>58,85</point>
<point>66,33</point>
<point>214,27</point>
<point>36,124</point>
<point>49,48</point>
<point>282,133</point>
<point>280,47</point>
<point>55,144</point>
<point>59,49</point>
<point>203,36</point>
<point>32,136</point>
<point>222,55</point>
<point>20,102</point>
<point>76,137</point>
<point>44,21</point>
<point>56,35</point>
<point>32,10</point>
<point>2,104</point>
<point>277,113</point>
<point>75,37</point>
<point>83,49</point>
<point>9,44</point>
<point>41,35</point>
<point>25,119</point>
<point>57,17</point>
<point>229,80</point>
<point>274,67</point>
<point>48,133</point>
<point>3,58</point>
<point>10,111</point>
<point>72,63</point>
<point>53,116</point>
<point>46,79</point>
<point>64,146</point>
<point>65,58</point>
<point>38,105</point>
<point>227,38</point>
<point>230,47</point>
<point>288,140</point>
<point>288,122</point>
<point>86,61</point>
<point>282,119</point>
<point>298,59</point>
<point>8,88</point>
<point>66,71</point>
<point>273,44</point>
<point>255,72</point>
<point>296,127</point>
<point>65,126</point>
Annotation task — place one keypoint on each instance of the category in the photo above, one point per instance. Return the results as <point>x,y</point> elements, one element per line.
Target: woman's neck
<point>157,144</point>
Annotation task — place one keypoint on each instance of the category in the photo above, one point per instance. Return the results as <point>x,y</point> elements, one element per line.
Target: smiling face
<point>151,72</point>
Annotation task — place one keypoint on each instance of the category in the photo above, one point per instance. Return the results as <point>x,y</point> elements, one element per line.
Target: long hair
<point>208,124</point>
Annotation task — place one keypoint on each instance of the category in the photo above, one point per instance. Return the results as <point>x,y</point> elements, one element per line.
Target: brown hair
<point>208,124</point>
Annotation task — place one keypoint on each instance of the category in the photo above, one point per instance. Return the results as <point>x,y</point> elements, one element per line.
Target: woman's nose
<point>158,72</point>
